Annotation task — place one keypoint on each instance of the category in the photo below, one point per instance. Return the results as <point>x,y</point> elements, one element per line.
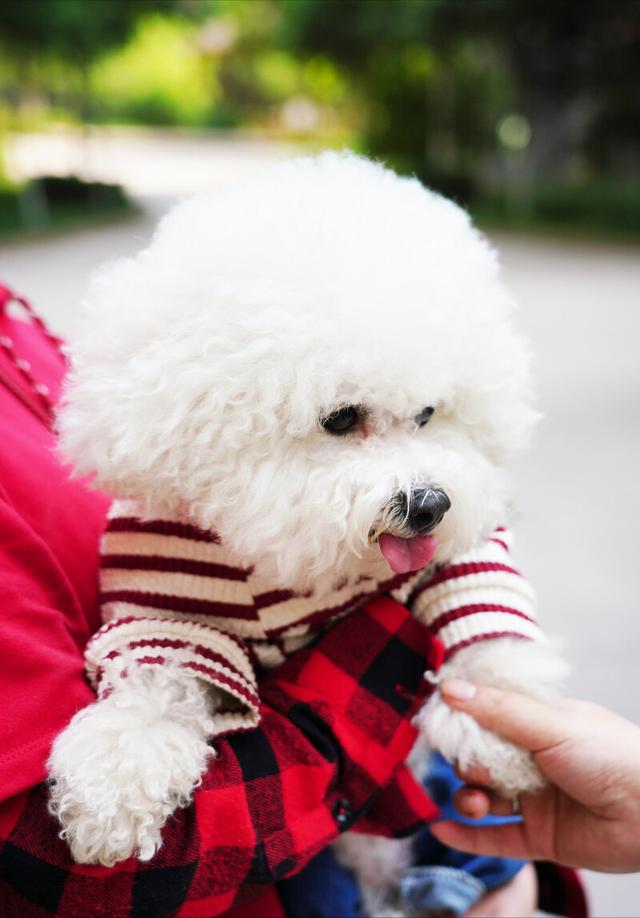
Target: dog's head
<point>319,364</point>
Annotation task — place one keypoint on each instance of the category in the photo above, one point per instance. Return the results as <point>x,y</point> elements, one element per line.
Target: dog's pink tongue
<point>405,555</point>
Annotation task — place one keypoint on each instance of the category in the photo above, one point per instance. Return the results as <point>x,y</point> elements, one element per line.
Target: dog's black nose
<point>426,508</point>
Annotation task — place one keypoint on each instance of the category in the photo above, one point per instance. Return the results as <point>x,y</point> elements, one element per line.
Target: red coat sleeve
<point>49,532</point>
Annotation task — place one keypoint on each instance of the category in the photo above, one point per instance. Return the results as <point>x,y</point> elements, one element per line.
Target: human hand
<point>517,897</point>
<point>588,815</point>
<point>527,667</point>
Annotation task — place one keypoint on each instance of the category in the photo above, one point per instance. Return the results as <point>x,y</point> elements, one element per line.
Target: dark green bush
<point>592,207</point>
<point>90,195</point>
<point>51,201</point>
<point>10,215</point>
<point>602,204</point>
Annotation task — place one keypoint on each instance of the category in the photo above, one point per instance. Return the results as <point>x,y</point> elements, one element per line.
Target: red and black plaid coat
<point>328,754</point>
<point>272,798</point>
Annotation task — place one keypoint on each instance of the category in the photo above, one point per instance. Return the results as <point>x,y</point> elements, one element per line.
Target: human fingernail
<point>458,689</point>
<point>469,803</point>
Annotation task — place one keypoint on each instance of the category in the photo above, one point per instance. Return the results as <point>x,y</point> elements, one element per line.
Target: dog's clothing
<point>441,880</point>
<point>50,528</point>
<point>171,594</point>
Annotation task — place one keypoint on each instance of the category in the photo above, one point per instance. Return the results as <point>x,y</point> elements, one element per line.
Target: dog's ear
<point>132,386</point>
<point>165,388</point>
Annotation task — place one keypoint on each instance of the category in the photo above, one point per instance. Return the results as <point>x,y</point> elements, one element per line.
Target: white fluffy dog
<point>320,367</point>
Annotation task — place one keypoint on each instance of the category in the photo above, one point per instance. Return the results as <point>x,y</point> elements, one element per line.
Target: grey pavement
<point>578,490</point>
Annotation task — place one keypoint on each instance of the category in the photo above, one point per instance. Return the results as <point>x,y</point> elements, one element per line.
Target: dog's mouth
<point>405,528</point>
<point>404,555</point>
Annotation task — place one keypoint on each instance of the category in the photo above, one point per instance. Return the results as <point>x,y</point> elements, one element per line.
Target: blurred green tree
<point>575,65</point>
<point>429,108</point>
<point>74,29</point>
<point>518,108</point>
<point>443,81</point>
<point>160,76</point>
<point>36,33</point>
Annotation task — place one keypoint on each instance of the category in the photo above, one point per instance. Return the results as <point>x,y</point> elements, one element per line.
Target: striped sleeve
<point>478,596</point>
<point>203,651</point>
<point>156,581</point>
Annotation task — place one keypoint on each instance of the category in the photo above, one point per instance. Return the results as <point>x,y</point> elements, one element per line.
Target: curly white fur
<point>207,359</point>
<point>521,666</point>
<point>124,764</point>
<point>378,863</point>
<point>205,364</point>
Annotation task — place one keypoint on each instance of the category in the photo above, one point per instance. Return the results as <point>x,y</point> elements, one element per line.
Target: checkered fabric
<point>334,732</point>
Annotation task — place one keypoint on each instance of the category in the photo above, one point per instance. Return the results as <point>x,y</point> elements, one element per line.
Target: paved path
<point>578,487</point>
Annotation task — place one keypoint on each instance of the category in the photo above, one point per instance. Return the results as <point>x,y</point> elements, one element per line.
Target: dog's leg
<point>125,763</point>
<point>528,667</point>
<point>378,864</point>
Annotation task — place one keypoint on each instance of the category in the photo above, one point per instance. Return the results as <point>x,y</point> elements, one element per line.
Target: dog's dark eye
<point>422,418</point>
<point>341,421</point>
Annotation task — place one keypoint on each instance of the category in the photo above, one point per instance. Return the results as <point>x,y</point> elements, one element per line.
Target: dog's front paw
<point>522,666</point>
<point>105,802</point>
<point>118,772</point>
<point>462,741</point>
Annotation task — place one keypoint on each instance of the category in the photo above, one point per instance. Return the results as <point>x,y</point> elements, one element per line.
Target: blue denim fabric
<point>439,890</point>
<point>442,880</point>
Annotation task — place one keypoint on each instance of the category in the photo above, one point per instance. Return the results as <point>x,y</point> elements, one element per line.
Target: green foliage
<point>52,202</point>
<point>438,78</point>
<point>349,30</point>
<point>589,208</point>
<point>520,109</point>
<point>159,77</point>
<point>10,217</point>
<point>76,29</point>
<point>279,75</point>
<point>324,80</point>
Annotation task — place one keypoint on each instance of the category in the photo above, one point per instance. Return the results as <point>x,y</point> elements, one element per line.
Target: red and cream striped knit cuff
<point>479,596</point>
<point>212,655</point>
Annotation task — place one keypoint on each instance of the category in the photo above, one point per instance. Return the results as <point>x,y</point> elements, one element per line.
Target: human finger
<point>507,840</point>
<point>475,803</point>
<point>517,718</point>
<point>472,802</point>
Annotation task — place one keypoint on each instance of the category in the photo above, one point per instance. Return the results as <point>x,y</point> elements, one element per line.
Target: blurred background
<point>526,112</point>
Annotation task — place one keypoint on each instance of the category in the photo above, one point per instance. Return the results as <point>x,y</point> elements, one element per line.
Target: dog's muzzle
<point>413,513</point>
<point>424,509</point>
